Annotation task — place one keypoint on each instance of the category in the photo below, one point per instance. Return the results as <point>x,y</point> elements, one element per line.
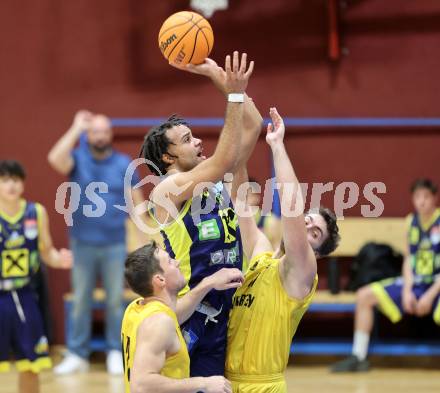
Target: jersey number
<point>229,220</point>
<point>126,355</point>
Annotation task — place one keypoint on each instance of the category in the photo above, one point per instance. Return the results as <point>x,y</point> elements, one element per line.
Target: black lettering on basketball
<point>180,56</point>
<point>165,44</point>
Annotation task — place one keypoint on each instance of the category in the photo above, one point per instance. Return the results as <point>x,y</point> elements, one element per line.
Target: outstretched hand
<point>276,129</point>
<point>208,68</point>
<point>232,79</point>
<point>237,73</point>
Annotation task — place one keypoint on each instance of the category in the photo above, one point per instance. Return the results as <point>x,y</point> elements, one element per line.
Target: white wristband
<point>236,97</point>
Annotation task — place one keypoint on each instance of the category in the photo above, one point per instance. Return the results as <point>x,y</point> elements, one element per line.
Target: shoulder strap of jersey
<point>39,216</point>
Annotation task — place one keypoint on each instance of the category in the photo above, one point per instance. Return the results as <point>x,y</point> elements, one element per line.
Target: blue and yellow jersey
<point>205,237</point>
<point>424,246</point>
<point>19,246</point>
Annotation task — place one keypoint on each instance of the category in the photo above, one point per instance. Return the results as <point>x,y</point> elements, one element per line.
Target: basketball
<point>186,37</point>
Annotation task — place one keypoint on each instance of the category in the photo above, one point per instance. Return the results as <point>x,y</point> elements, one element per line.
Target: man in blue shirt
<point>97,234</point>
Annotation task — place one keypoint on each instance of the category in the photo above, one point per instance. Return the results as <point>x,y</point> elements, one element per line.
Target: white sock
<point>360,344</point>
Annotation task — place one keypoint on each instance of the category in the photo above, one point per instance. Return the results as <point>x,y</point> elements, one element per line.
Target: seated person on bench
<point>416,292</point>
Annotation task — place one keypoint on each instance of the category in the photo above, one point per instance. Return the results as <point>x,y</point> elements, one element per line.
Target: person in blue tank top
<point>24,240</point>
<point>97,233</point>
<point>193,209</point>
<point>417,291</point>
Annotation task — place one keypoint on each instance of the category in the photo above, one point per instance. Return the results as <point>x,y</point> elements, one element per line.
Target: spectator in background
<point>416,292</point>
<point>98,243</point>
<point>24,239</point>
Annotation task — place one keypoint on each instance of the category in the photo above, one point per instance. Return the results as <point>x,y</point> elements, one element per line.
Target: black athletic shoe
<point>350,364</point>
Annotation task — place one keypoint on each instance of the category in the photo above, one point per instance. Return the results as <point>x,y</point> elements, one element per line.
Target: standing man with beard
<point>98,241</point>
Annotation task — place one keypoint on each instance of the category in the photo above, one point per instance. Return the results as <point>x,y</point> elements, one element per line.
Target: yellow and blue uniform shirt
<point>424,246</point>
<point>22,328</point>
<point>19,246</point>
<point>424,253</point>
<point>205,242</point>
<point>205,238</point>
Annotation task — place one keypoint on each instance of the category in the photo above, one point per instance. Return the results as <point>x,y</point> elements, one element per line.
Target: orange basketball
<point>186,37</point>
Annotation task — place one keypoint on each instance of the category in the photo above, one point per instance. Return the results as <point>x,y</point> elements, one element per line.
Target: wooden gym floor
<point>310,379</point>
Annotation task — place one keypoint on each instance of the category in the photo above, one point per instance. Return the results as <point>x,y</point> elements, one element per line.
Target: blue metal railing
<point>295,122</point>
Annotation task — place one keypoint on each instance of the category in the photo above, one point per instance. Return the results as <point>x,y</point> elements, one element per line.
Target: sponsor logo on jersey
<point>208,230</point>
<point>15,240</point>
<point>435,235</point>
<point>228,256</point>
<point>217,258</point>
<point>244,300</point>
<point>30,229</point>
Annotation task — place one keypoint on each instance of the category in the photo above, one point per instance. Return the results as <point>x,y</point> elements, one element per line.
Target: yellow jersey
<point>176,366</point>
<point>261,327</point>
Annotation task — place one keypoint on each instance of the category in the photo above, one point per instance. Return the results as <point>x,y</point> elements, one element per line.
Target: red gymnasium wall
<point>57,57</point>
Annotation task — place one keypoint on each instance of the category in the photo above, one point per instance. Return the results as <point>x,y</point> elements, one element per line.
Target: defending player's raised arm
<point>226,153</point>
<point>156,339</point>
<point>62,258</point>
<point>298,268</point>
<point>254,241</point>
